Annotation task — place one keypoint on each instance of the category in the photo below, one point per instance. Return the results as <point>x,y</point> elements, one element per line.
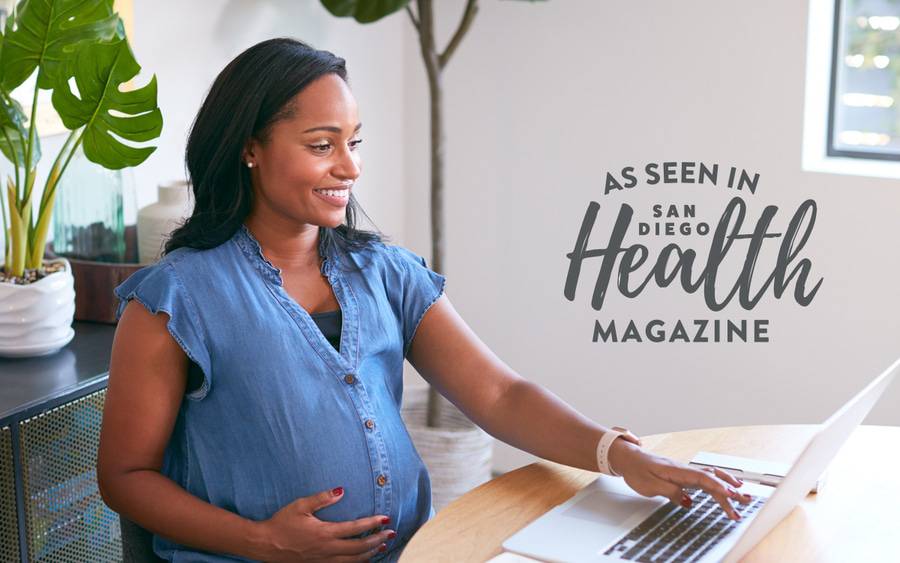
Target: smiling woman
<point>272,329</point>
<point>271,142</point>
<point>306,162</point>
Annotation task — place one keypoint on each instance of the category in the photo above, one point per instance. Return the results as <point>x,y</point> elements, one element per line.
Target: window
<point>864,99</point>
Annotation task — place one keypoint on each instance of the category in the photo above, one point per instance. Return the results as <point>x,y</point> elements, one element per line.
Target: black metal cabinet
<point>51,408</point>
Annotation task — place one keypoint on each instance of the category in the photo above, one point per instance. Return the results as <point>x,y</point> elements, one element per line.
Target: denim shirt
<point>281,414</point>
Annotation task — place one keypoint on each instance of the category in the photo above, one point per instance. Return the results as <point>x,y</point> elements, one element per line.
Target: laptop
<point>607,521</point>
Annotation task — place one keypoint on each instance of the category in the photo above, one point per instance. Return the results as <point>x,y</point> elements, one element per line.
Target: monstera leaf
<point>100,68</point>
<point>45,34</point>
<point>363,11</point>
<point>80,41</point>
<point>14,134</point>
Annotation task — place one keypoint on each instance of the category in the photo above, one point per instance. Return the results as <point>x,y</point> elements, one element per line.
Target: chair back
<point>137,543</point>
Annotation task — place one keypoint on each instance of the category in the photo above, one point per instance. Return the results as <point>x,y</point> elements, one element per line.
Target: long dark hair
<point>249,95</point>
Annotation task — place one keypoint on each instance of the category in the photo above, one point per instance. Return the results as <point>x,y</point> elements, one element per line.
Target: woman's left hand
<point>652,475</point>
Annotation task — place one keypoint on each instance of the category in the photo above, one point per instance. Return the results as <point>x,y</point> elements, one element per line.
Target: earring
<point>249,165</point>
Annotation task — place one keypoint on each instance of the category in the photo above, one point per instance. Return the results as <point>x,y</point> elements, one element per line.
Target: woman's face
<point>314,149</point>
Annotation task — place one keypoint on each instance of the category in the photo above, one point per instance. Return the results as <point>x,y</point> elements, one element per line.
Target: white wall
<point>542,100</point>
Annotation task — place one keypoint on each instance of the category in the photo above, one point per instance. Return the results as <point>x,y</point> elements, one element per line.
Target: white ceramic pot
<point>36,319</point>
<point>156,222</point>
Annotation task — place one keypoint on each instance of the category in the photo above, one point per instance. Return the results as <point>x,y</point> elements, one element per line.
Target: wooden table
<point>854,517</point>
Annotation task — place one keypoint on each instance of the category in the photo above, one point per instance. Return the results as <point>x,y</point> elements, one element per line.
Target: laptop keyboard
<point>677,534</point>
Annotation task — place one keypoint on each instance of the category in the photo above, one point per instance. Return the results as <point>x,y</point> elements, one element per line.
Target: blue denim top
<point>281,414</point>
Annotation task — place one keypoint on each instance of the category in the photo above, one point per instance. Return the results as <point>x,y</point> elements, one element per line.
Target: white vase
<point>156,222</point>
<point>36,318</point>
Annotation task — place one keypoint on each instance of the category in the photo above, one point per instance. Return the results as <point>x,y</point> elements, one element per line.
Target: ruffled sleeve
<point>420,288</point>
<point>158,288</point>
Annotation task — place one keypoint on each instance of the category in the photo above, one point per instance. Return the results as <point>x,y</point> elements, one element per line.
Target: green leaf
<point>18,231</point>
<point>45,35</point>
<point>13,132</point>
<point>363,11</point>
<point>100,68</point>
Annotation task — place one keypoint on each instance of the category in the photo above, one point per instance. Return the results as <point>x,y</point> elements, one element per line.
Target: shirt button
<point>370,424</point>
<point>349,378</point>
<point>381,480</point>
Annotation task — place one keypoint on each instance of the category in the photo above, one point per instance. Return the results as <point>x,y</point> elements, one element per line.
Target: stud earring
<point>249,165</point>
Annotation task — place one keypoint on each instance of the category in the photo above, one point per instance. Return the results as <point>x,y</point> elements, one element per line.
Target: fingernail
<point>385,520</point>
<point>686,501</point>
<point>382,548</point>
<point>392,535</point>
<point>337,491</point>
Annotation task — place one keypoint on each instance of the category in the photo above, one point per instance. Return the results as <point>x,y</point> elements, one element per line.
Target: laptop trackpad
<point>608,508</point>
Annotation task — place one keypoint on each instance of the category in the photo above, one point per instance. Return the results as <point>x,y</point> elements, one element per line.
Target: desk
<point>828,526</point>
<point>50,413</point>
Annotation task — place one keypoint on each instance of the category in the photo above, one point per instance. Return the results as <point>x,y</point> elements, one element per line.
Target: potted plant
<point>79,51</point>
<point>456,451</point>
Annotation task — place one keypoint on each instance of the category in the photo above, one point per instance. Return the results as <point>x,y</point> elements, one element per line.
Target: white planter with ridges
<point>36,318</point>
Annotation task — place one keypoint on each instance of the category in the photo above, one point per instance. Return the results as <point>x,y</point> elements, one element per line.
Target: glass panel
<point>88,220</point>
<point>865,121</point>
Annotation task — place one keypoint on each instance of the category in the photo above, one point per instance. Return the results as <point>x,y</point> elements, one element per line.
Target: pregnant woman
<point>253,408</point>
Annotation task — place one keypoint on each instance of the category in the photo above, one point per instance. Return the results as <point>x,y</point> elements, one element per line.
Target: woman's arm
<point>451,358</point>
<point>147,378</point>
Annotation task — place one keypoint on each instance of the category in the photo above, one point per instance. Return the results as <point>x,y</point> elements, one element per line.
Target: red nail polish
<point>385,520</point>
<point>382,548</point>
<point>392,535</point>
<point>337,491</point>
<point>686,501</point>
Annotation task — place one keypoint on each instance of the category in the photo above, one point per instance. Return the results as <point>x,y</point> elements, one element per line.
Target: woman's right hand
<point>653,475</point>
<point>294,533</point>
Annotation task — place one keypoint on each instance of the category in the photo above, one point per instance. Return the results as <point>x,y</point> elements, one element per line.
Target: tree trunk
<point>434,66</point>
<point>433,70</point>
